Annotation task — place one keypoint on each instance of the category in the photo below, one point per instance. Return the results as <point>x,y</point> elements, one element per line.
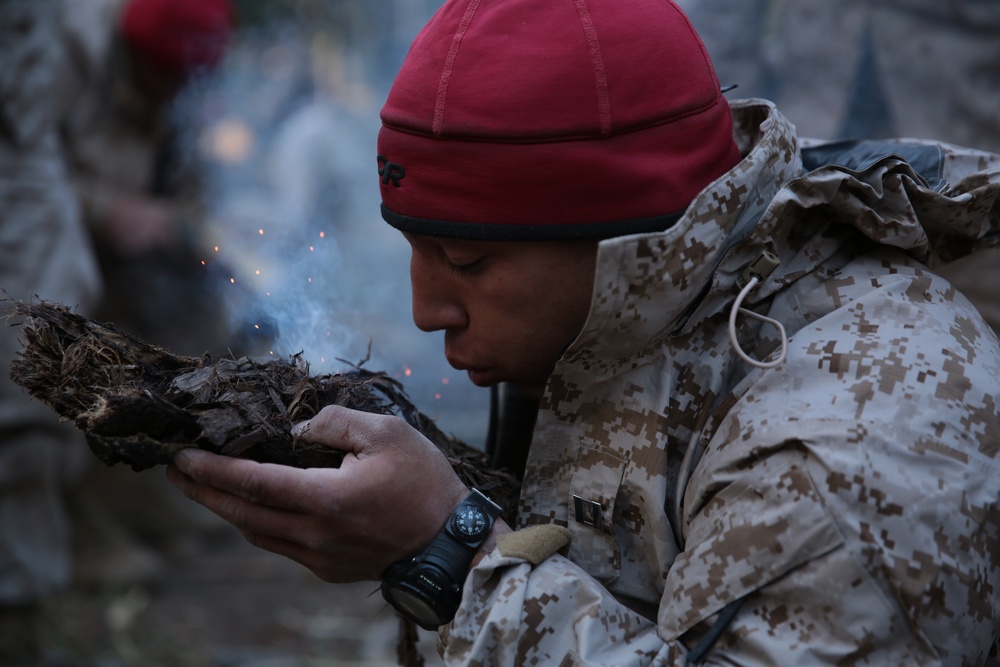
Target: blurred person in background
<point>129,61</point>
<point>44,251</point>
<point>861,68</point>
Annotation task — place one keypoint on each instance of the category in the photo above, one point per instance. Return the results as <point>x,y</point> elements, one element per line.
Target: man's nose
<point>436,307</point>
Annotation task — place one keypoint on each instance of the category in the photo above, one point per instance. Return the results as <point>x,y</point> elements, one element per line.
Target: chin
<point>482,378</point>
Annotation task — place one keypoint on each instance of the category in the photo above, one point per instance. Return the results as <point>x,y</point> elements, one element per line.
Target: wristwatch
<point>427,588</point>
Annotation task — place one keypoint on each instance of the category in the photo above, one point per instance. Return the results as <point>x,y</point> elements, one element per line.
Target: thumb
<point>345,429</point>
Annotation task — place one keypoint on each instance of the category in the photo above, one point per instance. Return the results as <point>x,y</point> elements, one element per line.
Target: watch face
<point>423,594</point>
<point>413,607</point>
<point>470,522</point>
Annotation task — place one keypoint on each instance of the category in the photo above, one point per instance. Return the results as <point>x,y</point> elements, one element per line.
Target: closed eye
<point>465,269</point>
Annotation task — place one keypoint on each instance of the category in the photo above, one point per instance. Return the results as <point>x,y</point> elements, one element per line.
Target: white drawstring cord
<point>737,308</point>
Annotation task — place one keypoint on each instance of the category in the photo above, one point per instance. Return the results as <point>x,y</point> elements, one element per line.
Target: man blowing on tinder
<point>766,432</point>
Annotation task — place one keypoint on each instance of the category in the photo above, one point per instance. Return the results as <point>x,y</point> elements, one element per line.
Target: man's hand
<point>386,502</point>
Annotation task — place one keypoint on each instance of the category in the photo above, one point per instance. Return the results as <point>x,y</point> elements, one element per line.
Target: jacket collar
<point>648,284</point>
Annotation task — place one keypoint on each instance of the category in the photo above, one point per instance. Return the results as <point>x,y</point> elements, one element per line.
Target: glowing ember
<point>407,372</point>
<point>232,280</point>
<point>260,231</point>
<point>445,380</point>
<point>322,235</point>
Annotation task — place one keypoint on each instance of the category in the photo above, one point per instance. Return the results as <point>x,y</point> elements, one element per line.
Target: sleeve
<point>514,613</point>
<point>770,578</point>
<point>766,579</point>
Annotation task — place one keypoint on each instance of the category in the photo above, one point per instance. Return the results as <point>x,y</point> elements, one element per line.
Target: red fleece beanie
<point>178,35</point>
<point>532,120</point>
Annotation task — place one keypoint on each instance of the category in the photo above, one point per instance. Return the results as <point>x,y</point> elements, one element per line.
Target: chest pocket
<point>593,493</point>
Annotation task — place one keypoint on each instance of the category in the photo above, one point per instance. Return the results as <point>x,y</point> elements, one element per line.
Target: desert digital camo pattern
<point>839,509</point>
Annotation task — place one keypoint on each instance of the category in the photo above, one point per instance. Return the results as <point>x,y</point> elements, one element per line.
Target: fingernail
<point>185,458</point>
<point>298,428</point>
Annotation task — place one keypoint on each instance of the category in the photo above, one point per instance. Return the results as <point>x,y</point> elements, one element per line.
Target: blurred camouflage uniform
<point>871,69</point>
<point>44,252</point>
<point>841,508</point>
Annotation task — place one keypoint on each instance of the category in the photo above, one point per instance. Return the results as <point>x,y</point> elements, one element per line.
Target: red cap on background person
<point>519,119</point>
<point>178,36</point>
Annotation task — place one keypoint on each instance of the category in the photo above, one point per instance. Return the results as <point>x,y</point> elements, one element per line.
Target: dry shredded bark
<point>139,404</point>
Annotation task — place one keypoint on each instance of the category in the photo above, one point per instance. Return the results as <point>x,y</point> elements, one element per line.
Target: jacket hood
<point>934,201</point>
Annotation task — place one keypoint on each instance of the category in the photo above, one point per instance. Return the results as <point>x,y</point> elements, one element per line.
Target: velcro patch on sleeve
<point>535,543</point>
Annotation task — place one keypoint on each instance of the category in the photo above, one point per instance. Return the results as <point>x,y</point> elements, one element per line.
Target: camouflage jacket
<point>840,508</point>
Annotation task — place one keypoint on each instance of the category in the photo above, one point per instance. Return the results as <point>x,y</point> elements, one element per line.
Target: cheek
<point>510,323</point>
<point>545,321</point>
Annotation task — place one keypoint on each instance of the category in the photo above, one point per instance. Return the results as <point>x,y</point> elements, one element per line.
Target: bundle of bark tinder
<point>139,404</point>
